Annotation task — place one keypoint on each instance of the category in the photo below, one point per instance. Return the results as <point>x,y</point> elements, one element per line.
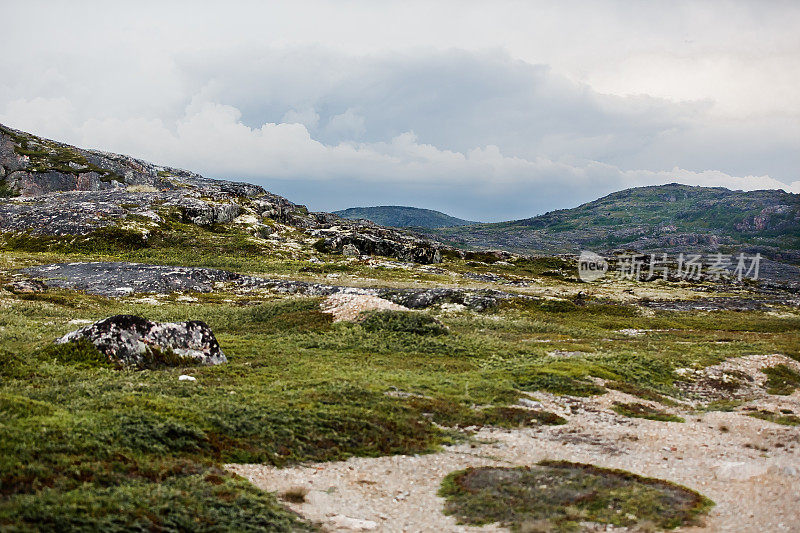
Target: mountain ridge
<point>403,216</point>
<point>652,218</point>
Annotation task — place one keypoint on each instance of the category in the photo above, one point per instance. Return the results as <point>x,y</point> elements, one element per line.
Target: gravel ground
<point>749,467</point>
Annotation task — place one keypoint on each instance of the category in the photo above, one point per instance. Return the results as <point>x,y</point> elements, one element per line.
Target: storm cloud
<point>497,127</point>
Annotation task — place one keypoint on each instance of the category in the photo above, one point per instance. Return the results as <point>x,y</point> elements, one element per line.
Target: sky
<point>487,111</point>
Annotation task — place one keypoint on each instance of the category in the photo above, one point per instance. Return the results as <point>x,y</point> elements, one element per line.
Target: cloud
<point>211,138</point>
<point>498,112</point>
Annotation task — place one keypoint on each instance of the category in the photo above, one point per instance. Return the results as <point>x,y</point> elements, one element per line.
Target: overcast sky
<point>484,110</point>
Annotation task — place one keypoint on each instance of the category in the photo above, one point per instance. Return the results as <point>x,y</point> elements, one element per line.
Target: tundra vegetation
<point>88,444</point>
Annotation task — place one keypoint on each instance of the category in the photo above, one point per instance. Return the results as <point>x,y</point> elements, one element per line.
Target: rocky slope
<point>660,218</point>
<point>53,189</point>
<point>403,217</point>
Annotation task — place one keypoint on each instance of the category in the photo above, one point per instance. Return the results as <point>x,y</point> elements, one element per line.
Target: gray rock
<point>133,340</point>
<point>206,214</point>
<point>474,299</point>
<point>123,279</point>
<point>350,251</point>
<point>27,286</point>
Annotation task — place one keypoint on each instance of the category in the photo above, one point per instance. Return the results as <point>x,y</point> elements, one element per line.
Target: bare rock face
<point>135,341</point>
<point>48,188</point>
<point>356,238</point>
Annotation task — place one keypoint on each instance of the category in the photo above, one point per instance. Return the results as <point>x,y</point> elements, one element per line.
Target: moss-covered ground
<point>560,496</point>
<point>86,445</point>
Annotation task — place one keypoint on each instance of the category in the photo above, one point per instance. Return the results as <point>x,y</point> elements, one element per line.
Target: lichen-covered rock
<point>67,190</point>
<point>135,341</point>
<point>474,299</point>
<point>27,286</point>
<point>375,240</point>
<point>204,213</point>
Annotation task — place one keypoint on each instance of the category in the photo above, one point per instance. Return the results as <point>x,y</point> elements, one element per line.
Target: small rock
<point>184,377</point>
<point>525,402</point>
<point>27,286</point>
<point>353,524</point>
<point>739,471</point>
<point>350,251</point>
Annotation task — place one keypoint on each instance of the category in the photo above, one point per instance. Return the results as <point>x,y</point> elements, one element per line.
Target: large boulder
<point>136,341</point>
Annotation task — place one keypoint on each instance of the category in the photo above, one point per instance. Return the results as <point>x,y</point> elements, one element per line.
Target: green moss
<point>558,496</point>
<point>80,353</point>
<point>297,387</point>
<point>413,322</point>
<point>452,413</point>
<point>108,239</point>
<point>13,406</point>
<point>642,392</point>
<point>210,500</point>
<point>786,419</point>
<point>568,380</point>
<point>781,379</point>
<point>6,191</point>
<point>640,410</point>
<point>293,315</point>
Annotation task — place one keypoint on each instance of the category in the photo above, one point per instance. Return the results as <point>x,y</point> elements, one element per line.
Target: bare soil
<point>749,467</point>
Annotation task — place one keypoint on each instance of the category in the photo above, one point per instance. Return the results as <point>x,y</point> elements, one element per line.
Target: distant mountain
<point>670,217</point>
<point>403,217</point>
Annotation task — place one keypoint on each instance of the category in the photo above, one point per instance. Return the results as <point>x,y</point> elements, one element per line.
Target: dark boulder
<point>135,341</point>
<point>476,300</point>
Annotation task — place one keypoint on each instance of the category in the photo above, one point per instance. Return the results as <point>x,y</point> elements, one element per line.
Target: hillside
<point>667,217</point>
<point>403,217</point>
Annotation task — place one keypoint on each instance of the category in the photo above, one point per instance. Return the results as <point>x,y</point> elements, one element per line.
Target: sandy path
<point>749,467</point>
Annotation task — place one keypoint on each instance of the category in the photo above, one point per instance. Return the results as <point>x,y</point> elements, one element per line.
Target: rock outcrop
<point>62,190</point>
<point>135,341</point>
<point>123,279</point>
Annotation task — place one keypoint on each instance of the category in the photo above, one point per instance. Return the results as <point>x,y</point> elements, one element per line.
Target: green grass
<point>558,496</point>
<point>785,419</point>
<point>80,438</point>
<point>640,410</point>
<point>781,379</point>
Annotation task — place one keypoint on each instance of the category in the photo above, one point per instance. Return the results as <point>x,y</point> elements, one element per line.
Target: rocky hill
<point>55,192</point>
<point>669,217</point>
<point>403,217</point>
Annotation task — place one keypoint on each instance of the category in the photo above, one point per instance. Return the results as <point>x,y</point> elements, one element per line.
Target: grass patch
<point>80,353</point>
<point>560,495</point>
<point>644,393</point>
<point>454,414</point>
<point>402,322</point>
<point>784,419</point>
<point>781,379</point>
<point>640,410</point>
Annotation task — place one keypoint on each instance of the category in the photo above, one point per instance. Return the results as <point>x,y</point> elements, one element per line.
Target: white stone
<point>184,377</point>
<point>739,470</point>
<point>353,524</point>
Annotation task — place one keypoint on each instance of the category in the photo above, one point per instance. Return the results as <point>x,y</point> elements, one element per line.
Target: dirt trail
<point>749,467</point>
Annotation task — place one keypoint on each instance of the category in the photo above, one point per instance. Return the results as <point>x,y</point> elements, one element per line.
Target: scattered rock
<point>565,354</point>
<point>122,279</point>
<point>27,286</point>
<point>532,404</point>
<point>184,377</point>
<point>136,341</point>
